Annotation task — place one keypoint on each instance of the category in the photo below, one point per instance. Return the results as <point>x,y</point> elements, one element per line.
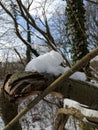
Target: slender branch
<point>50,102</point>
<point>17,30</point>
<point>54,85</point>
<point>27,15</point>
<point>6,10</point>
<point>47,35</point>
<point>19,56</point>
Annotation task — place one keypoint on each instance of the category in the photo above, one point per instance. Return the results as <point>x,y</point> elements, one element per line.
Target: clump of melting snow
<point>51,63</point>
<point>79,76</point>
<point>71,103</point>
<point>47,63</point>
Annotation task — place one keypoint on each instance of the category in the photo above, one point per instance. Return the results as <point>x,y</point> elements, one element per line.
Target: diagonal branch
<point>54,85</point>
<point>28,17</point>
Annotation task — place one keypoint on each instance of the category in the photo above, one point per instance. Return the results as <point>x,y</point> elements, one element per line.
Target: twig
<point>50,102</point>
<point>19,56</point>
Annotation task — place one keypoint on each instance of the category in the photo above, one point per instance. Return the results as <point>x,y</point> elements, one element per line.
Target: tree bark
<point>71,92</point>
<point>8,111</point>
<point>31,83</point>
<point>76,28</point>
<point>70,88</point>
<point>60,122</point>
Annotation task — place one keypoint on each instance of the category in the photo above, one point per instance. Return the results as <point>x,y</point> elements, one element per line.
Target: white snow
<point>51,63</point>
<point>79,76</point>
<point>68,103</point>
<point>49,128</point>
<point>93,82</point>
<point>71,103</point>
<point>47,63</point>
<point>94,59</point>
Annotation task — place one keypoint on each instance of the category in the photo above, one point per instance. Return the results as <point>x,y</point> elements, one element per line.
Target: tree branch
<point>54,85</point>
<point>93,121</point>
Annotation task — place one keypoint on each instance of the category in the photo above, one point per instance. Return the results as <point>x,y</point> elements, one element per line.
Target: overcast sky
<point>51,6</point>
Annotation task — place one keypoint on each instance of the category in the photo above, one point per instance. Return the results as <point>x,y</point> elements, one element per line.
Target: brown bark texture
<point>8,111</point>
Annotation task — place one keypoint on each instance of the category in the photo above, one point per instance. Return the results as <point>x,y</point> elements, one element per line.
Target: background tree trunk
<point>76,29</point>
<point>77,33</point>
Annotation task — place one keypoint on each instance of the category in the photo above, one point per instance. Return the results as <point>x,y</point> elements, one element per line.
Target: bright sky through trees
<point>10,40</point>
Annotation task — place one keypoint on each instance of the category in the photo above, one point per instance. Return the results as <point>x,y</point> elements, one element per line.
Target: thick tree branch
<point>23,84</point>
<point>8,111</point>
<point>54,85</point>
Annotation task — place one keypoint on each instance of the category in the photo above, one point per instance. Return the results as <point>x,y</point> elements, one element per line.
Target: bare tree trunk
<point>8,111</point>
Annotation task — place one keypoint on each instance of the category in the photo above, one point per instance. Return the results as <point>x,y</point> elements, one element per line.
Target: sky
<point>51,7</point>
<point>10,40</point>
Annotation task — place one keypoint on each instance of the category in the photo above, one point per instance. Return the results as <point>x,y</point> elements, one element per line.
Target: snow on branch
<point>79,111</point>
<point>54,85</point>
<point>48,63</point>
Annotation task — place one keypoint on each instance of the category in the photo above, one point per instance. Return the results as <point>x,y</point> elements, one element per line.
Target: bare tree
<point>19,14</point>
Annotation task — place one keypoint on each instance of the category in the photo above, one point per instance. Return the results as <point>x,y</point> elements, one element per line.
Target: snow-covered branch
<point>59,82</point>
